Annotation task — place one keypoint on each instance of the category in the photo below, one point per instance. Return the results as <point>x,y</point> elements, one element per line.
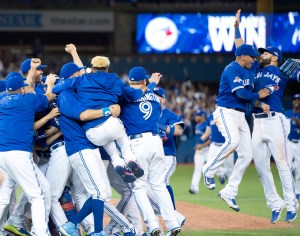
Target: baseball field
<point>208,215</point>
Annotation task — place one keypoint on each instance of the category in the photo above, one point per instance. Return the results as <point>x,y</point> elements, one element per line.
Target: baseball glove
<point>290,66</point>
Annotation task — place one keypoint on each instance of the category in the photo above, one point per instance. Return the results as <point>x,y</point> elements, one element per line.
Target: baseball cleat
<point>174,232</point>
<point>156,232</point>
<point>209,182</point>
<point>275,215</point>
<point>126,175</point>
<point>230,201</point>
<point>69,229</point>
<point>290,216</point>
<point>16,231</point>
<point>135,169</point>
<point>191,191</point>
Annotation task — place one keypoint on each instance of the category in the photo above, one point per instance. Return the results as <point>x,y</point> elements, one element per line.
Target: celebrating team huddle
<point>67,140</point>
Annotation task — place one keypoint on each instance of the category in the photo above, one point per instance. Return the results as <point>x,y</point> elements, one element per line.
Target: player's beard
<point>264,62</point>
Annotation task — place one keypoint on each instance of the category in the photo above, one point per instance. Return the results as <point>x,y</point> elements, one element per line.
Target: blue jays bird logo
<point>272,87</point>
<point>237,80</point>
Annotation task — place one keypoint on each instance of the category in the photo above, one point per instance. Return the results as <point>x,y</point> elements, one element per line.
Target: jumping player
<point>268,114</point>
<point>235,91</point>
<point>141,117</point>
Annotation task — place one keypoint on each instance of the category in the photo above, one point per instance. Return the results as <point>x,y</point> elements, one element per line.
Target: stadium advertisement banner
<point>214,33</point>
<point>57,21</point>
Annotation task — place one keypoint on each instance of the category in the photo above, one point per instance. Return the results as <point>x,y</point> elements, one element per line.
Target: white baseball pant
<point>171,164</point>
<point>105,134</point>
<point>149,152</point>
<point>270,137</point>
<point>9,209</point>
<point>80,196</point>
<point>23,208</point>
<point>227,168</point>
<point>127,205</point>
<point>234,128</point>
<point>200,158</point>
<point>20,169</point>
<point>90,168</point>
<point>57,173</point>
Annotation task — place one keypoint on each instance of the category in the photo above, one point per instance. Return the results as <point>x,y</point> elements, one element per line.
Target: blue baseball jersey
<point>39,89</point>
<point>199,131</point>
<point>17,118</point>
<point>141,115</point>
<point>215,135</point>
<point>98,90</point>
<point>295,130</point>
<point>74,135</point>
<point>269,77</point>
<point>170,118</point>
<point>234,77</point>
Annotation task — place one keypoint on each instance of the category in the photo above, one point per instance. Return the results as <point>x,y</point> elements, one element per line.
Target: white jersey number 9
<point>146,108</point>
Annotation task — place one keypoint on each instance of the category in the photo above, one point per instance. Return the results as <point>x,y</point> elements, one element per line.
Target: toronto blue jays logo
<point>272,87</point>
<point>237,80</point>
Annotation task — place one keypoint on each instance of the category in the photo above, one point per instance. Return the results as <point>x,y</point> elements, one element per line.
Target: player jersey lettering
<point>148,97</point>
<point>146,108</point>
<point>273,77</point>
<point>246,82</point>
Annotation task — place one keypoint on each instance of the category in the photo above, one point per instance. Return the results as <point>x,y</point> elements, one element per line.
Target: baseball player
<point>201,149</point>
<point>15,222</point>
<point>85,160</point>
<point>17,112</point>
<point>235,91</point>
<point>294,140</point>
<point>141,117</point>
<point>266,140</point>
<point>36,83</point>
<point>100,89</point>
<point>170,126</point>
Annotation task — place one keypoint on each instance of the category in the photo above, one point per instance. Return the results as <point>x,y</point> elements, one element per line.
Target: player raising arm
<point>267,141</point>
<point>235,91</point>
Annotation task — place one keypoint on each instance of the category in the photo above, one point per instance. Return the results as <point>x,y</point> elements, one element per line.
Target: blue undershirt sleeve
<point>245,94</point>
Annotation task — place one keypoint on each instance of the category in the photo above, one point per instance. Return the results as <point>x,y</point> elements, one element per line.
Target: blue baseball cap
<point>14,82</point>
<point>200,113</point>
<point>296,96</point>
<point>138,74</point>
<point>160,92</point>
<point>13,73</point>
<point>2,86</point>
<point>273,50</point>
<point>247,50</point>
<point>25,66</point>
<point>69,69</point>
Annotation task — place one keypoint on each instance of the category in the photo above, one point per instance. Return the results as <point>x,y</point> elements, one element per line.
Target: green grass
<point>250,199</point>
